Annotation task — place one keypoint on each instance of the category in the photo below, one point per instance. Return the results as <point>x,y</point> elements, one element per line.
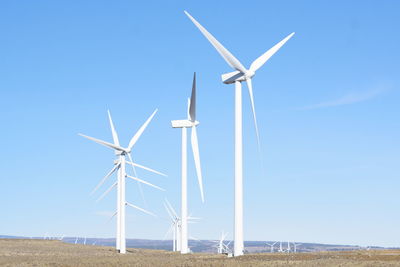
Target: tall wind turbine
<point>120,167</point>
<point>240,75</point>
<point>190,122</point>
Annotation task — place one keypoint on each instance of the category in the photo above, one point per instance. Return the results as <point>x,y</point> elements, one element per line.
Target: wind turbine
<point>240,75</point>
<point>280,247</point>
<point>272,246</point>
<point>120,167</point>
<point>190,122</point>
<point>175,227</point>
<point>295,247</point>
<point>221,246</point>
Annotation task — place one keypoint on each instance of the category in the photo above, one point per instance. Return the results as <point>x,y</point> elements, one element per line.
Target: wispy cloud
<point>350,98</point>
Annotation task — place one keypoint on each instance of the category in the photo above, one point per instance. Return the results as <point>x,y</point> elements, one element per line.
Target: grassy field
<point>26,252</point>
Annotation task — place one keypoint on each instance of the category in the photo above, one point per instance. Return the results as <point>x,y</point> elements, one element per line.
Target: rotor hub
<point>249,74</point>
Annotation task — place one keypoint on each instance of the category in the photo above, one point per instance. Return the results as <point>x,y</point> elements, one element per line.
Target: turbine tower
<point>190,122</point>
<point>240,75</point>
<point>120,167</point>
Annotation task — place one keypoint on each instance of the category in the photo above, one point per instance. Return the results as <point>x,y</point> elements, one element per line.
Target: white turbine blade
<point>229,58</point>
<point>145,168</point>
<point>112,216</point>
<point>144,182</point>
<point>142,210</point>
<point>139,184</point>
<point>104,143</point>
<point>168,232</point>
<point>196,155</point>
<point>169,212</point>
<point>192,103</point>
<point>264,57</point>
<point>113,131</point>
<point>171,208</point>
<point>250,87</point>
<point>140,131</point>
<point>224,236</point>
<point>105,178</point>
<point>107,191</point>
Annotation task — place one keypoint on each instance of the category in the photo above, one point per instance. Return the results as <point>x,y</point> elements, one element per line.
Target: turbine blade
<point>142,210</point>
<point>140,131</point>
<point>229,58</point>
<point>145,168</point>
<point>115,213</point>
<point>196,155</point>
<point>107,191</point>
<point>144,182</point>
<point>168,232</point>
<point>105,178</point>
<point>139,184</point>
<point>171,208</point>
<point>169,212</point>
<point>104,143</point>
<point>264,57</point>
<point>224,236</point>
<point>250,87</point>
<point>192,103</point>
<point>113,131</point>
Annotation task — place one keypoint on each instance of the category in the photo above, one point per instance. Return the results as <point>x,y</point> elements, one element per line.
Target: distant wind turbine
<point>272,246</point>
<point>240,75</point>
<point>222,248</point>
<point>295,247</point>
<point>175,227</point>
<point>280,247</point>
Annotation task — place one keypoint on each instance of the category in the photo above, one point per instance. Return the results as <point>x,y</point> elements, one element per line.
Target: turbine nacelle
<point>232,77</point>
<point>184,123</point>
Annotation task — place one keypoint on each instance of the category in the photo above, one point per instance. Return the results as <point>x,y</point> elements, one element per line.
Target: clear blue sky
<point>327,104</point>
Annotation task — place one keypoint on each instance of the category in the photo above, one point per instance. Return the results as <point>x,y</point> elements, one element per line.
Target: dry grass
<point>22,252</point>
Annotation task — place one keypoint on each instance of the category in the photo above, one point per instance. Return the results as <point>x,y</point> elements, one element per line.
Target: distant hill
<point>205,246</point>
